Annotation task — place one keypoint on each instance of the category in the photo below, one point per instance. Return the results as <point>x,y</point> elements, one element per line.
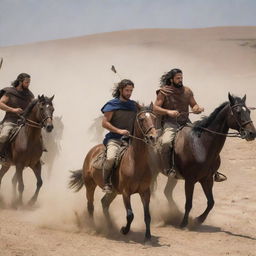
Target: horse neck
<point>219,125</point>
<point>31,131</point>
<point>139,146</point>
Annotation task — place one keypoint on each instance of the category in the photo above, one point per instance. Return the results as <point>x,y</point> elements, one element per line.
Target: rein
<point>34,124</point>
<point>229,134</point>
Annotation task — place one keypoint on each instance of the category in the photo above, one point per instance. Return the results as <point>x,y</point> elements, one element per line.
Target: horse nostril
<point>49,128</point>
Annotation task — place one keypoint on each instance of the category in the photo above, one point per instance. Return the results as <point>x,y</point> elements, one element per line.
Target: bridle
<point>138,121</point>
<point>34,124</point>
<point>144,133</point>
<point>243,124</point>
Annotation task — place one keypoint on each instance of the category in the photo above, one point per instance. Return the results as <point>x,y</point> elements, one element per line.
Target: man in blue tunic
<point>119,116</point>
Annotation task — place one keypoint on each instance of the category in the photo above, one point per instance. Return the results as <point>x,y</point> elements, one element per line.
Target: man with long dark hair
<point>172,103</point>
<point>13,100</point>
<point>119,115</point>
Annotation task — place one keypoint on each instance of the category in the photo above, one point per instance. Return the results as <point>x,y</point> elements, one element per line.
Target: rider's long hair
<point>166,77</point>
<point>20,78</point>
<point>121,85</point>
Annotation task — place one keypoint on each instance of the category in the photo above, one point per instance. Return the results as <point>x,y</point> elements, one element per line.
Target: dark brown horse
<point>198,146</point>
<point>25,150</point>
<point>133,174</point>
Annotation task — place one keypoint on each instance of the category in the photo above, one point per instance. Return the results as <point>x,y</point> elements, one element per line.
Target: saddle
<point>98,161</point>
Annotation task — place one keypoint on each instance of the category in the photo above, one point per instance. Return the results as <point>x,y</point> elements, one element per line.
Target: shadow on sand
<point>212,229</point>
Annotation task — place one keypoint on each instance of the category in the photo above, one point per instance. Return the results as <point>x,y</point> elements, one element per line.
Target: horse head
<point>145,124</point>
<point>240,119</point>
<point>44,112</point>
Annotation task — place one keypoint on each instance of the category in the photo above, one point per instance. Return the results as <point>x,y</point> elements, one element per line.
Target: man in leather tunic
<point>13,100</point>
<point>172,104</point>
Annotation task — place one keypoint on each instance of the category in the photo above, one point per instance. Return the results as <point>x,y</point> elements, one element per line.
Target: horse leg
<point>90,189</point>
<point>169,187</point>
<point>129,214</point>
<point>3,171</point>
<point>37,171</point>
<point>207,185</point>
<point>14,186</point>
<point>145,198</point>
<point>19,173</point>
<point>106,200</point>
<point>189,189</point>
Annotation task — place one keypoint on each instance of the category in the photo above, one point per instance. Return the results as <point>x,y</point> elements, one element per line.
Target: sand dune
<point>215,61</point>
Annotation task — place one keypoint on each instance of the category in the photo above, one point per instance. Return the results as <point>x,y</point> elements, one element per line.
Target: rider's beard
<point>125,98</point>
<point>24,88</point>
<point>178,85</point>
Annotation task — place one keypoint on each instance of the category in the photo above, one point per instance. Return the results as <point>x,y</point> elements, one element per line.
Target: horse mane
<point>29,108</point>
<point>207,120</point>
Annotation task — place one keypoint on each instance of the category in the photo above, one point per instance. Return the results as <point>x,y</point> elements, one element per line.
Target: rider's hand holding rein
<point>173,113</point>
<point>17,110</point>
<point>197,110</point>
<point>123,132</point>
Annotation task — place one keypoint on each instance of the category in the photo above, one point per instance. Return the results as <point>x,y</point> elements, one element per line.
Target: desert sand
<point>215,61</point>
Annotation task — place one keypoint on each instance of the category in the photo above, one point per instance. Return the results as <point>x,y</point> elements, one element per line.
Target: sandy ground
<point>229,229</point>
<point>215,61</point>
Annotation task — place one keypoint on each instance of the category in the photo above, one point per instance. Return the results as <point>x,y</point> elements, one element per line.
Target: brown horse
<point>133,174</point>
<point>198,146</point>
<point>25,150</point>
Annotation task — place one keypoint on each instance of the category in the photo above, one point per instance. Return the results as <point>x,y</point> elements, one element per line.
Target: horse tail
<point>76,180</point>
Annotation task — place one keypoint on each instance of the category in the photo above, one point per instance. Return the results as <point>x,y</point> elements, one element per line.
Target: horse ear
<point>39,97</point>
<point>52,98</point>
<point>138,106</point>
<point>244,98</point>
<point>231,99</point>
<point>151,106</point>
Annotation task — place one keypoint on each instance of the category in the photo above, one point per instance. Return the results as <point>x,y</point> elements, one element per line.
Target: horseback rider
<point>13,100</point>
<point>172,103</point>
<point>119,115</point>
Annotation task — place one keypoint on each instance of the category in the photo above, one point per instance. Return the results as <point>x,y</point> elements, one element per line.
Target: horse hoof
<point>183,225</point>
<point>198,221</point>
<point>148,242</point>
<point>31,203</point>
<point>14,205</point>
<point>124,231</point>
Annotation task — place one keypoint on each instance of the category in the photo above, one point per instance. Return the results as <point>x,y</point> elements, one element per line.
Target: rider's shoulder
<point>31,95</point>
<point>188,91</point>
<point>6,90</point>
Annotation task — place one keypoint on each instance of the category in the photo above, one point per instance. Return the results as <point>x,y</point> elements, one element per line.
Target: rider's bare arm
<point>162,111</point>
<point>3,101</point>
<point>194,106</point>
<point>107,125</point>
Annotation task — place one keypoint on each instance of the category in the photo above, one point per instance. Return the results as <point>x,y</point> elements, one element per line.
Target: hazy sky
<point>23,21</point>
